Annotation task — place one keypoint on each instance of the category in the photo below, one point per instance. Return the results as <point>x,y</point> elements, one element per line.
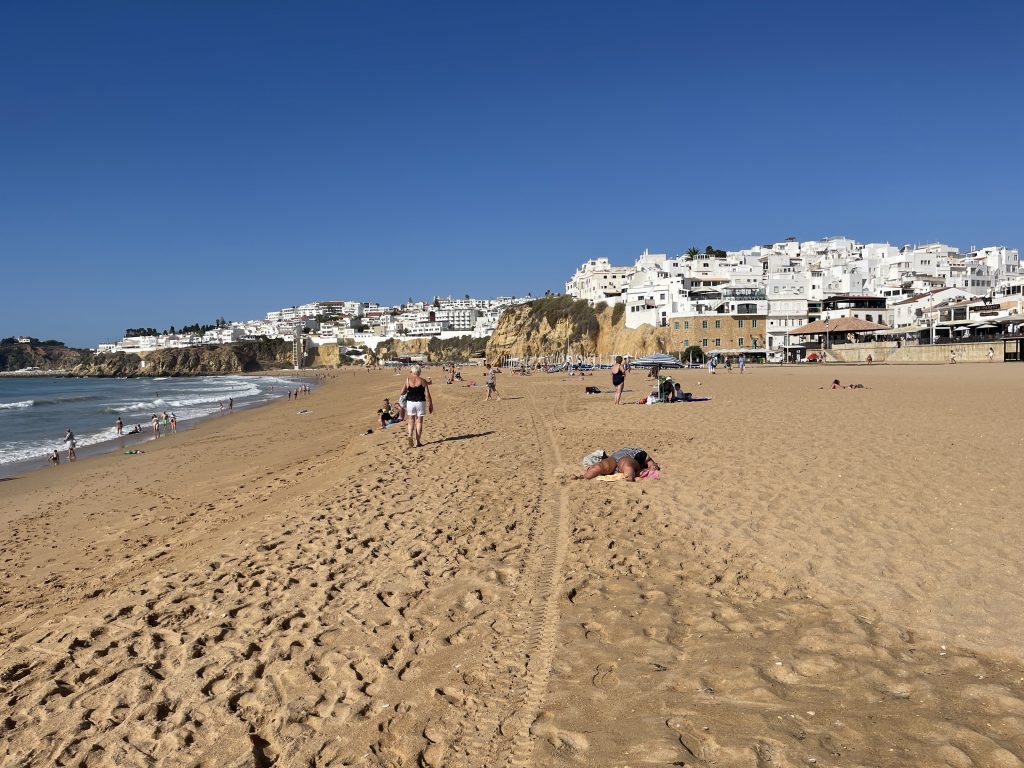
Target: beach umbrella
<point>658,358</point>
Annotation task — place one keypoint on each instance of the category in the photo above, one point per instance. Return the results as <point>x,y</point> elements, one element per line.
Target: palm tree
<point>692,251</point>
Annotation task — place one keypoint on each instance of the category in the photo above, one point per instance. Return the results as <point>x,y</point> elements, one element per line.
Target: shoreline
<point>16,469</point>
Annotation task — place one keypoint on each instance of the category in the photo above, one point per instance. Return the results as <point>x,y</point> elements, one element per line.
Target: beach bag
<point>592,458</point>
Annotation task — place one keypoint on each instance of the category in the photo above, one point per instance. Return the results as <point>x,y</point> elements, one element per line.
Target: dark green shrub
<point>694,353</point>
<point>617,312</point>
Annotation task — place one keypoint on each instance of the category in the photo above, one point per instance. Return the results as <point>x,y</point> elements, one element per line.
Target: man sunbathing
<point>629,461</point>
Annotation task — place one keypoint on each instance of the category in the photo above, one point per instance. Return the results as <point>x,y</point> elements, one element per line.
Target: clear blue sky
<point>166,163</point>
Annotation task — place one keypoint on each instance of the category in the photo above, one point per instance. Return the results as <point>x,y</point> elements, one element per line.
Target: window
<point>675,325</point>
<point>739,342</point>
<point>741,323</point>
<point>718,342</point>
<point>686,324</point>
<point>703,342</point>
<point>868,318</point>
<point>753,323</point>
<point>704,323</point>
<point>718,323</point>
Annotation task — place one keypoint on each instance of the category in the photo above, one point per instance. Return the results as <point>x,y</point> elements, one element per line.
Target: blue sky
<point>168,163</point>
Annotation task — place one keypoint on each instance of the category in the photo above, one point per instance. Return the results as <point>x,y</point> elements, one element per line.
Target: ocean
<point>35,411</point>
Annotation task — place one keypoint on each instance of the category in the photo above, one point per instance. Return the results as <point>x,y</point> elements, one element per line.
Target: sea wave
<point>19,404</point>
<point>184,400</point>
<point>68,399</point>
<point>35,449</point>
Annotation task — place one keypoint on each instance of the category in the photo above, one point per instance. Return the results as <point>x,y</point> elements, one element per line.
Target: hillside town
<point>782,299</point>
<point>353,325</point>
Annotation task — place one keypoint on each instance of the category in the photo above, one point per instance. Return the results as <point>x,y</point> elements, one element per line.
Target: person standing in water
<point>69,439</point>
<point>417,403</point>
<point>119,426</point>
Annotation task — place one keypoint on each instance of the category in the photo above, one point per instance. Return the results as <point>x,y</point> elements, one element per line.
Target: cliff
<point>549,328</point>
<point>459,349</point>
<point>191,361</point>
<point>43,356</point>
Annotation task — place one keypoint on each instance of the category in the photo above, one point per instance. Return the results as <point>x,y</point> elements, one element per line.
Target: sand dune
<point>819,578</point>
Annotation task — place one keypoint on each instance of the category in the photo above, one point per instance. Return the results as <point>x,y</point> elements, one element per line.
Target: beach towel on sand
<point>611,478</point>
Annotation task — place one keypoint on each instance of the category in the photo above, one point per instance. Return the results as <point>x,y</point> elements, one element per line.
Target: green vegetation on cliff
<point>459,349</point>
<point>576,312</point>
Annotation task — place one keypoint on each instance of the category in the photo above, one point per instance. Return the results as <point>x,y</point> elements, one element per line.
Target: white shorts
<point>414,408</point>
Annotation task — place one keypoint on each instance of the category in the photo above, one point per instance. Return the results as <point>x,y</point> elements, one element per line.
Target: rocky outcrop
<point>242,357</point>
<point>46,357</point>
<point>549,332</point>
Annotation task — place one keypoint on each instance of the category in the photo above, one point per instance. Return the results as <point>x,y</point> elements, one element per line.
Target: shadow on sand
<point>461,437</point>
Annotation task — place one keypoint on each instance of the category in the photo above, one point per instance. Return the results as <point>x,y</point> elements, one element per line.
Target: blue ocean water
<point>36,410</point>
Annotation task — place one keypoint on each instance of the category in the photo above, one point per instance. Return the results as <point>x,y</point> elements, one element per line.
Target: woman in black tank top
<point>618,378</point>
<point>417,404</point>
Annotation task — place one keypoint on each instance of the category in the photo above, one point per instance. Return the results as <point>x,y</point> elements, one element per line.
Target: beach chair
<point>661,387</point>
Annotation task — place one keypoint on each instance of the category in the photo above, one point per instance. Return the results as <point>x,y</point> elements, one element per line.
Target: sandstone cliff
<point>547,329</point>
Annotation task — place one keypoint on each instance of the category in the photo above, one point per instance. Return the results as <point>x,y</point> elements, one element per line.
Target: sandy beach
<point>819,577</point>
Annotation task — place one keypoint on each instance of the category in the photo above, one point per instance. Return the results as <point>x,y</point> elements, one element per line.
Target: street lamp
<point>826,333</point>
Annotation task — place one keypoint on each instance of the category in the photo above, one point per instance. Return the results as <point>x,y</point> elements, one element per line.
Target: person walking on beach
<point>492,382</point>
<point>991,354</point>
<point>618,378</point>
<point>417,403</point>
<point>742,362</point>
<point>69,439</point>
<point>119,426</point>
<point>231,404</point>
<point>174,422</point>
<point>155,421</point>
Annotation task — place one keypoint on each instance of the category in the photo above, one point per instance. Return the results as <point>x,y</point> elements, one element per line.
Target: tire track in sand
<point>534,616</point>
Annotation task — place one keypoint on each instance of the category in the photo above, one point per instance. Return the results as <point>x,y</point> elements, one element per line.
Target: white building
<point>597,280</point>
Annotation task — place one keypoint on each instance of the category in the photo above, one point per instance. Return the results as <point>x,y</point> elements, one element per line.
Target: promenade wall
<point>888,352</point>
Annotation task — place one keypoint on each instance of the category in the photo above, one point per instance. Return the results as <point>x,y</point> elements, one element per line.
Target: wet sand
<point>820,577</point>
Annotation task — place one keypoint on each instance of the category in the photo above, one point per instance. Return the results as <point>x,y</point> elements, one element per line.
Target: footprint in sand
<point>698,743</point>
<point>605,676</point>
<point>544,728</point>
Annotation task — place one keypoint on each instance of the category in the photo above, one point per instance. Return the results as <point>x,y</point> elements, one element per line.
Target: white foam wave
<point>19,404</point>
<point>39,449</point>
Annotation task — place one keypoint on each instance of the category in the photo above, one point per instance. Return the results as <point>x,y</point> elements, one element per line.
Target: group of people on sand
<point>163,422</point>
<point>667,391</point>
<point>452,374</point>
<point>302,389</point>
